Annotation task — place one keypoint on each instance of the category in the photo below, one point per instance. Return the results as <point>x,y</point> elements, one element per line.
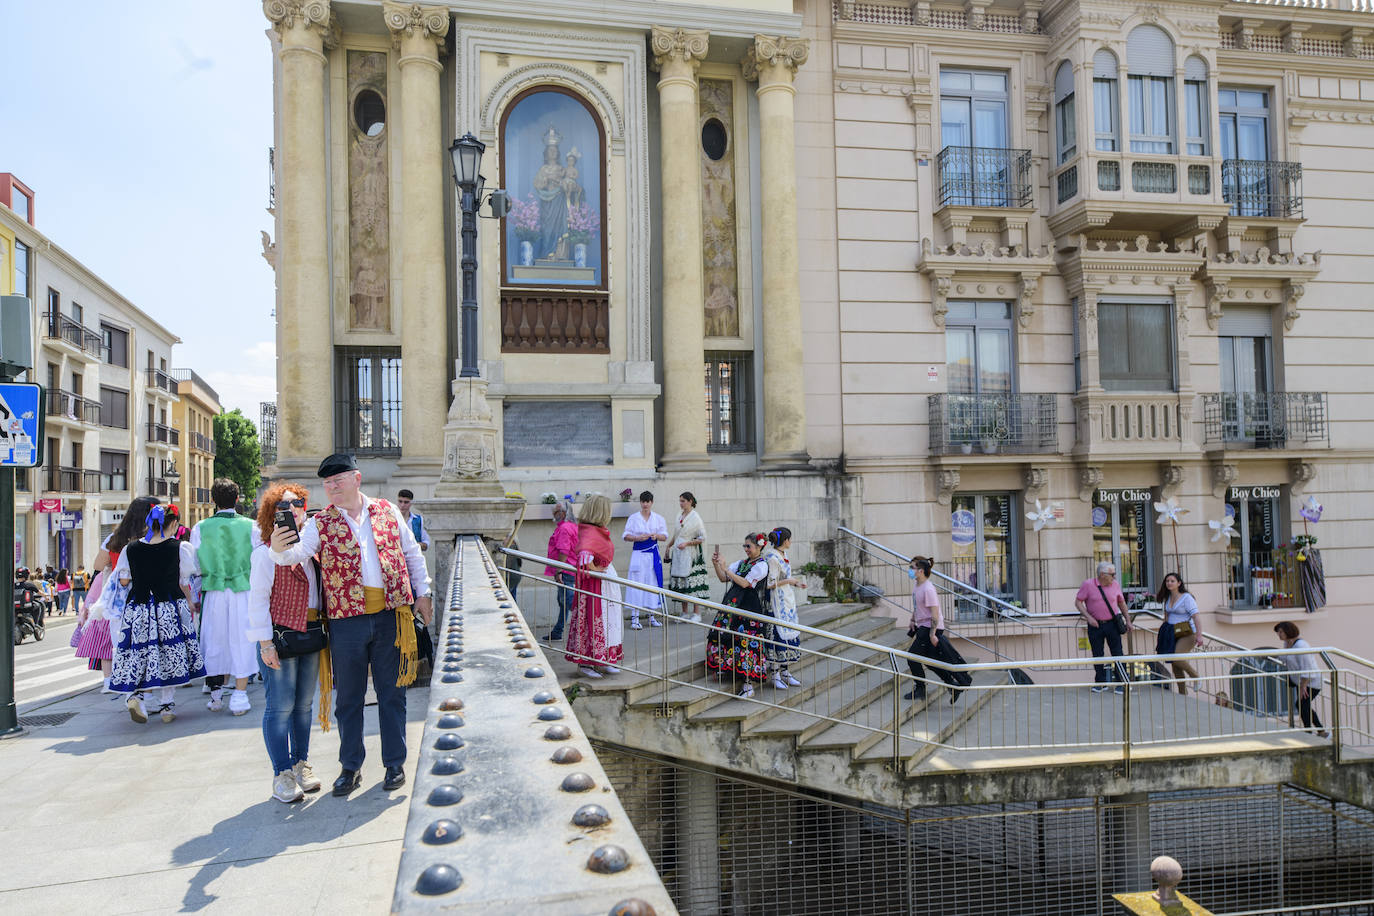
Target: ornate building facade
<point>905,266</point>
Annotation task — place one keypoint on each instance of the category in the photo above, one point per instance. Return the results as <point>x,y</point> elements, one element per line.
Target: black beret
<point>336,464</point>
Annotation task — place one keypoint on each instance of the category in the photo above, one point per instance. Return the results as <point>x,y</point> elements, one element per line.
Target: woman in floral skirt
<point>95,643</point>
<point>784,644</point>
<point>156,646</point>
<point>735,643</point>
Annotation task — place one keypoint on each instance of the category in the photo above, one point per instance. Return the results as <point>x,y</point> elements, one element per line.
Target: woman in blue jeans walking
<point>286,599</point>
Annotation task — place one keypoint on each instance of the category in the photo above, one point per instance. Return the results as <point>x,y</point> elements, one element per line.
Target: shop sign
<point>111,516</point>
<point>47,504</point>
<point>1124,495</point>
<point>67,521</point>
<point>963,526</point>
<point>1239,493</point>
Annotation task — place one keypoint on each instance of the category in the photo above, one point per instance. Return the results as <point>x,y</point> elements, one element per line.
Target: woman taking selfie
<point>734,644</point>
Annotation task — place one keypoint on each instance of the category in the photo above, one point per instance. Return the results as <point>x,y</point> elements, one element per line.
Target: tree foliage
<point>238,454</point>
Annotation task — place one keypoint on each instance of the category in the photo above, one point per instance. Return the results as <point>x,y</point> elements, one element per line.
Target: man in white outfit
<point>223,546</point>
<point>644,530</point>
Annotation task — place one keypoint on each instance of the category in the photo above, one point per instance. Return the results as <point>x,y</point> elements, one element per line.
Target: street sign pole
<point>9,713</point>
<point>22,445</point>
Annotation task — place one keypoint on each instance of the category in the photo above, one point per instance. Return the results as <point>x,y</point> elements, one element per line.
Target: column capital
<point>774,59</point>
<point>416,21</point>
<point>304,15</point>
<point>684,46</point>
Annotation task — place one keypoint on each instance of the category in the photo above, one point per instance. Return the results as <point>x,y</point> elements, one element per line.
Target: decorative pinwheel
<point>1042,516</point>
<point>1221,529</point>
<point>1311,511</point>
<point>1169,511</point>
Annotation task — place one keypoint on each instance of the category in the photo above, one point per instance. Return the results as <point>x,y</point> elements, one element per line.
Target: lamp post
<point>466,153</point>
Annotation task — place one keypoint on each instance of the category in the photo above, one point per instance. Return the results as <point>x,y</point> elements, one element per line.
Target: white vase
<point>580,254</point>
<point>527,253</point>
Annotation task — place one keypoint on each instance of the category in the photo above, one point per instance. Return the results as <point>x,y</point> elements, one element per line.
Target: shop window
<point>1261,570</point>
<point>985,546</point>
<point>1124,535</point>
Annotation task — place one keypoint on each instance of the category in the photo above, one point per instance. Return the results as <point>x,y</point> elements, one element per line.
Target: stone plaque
<point>557,433</point>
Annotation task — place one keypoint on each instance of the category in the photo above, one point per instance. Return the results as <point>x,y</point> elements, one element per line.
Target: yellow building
<point>193,416</point>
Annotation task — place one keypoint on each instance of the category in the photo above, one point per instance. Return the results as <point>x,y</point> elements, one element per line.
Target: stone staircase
<point>834,732</point>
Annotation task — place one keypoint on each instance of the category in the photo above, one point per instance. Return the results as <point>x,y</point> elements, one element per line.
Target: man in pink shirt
<point>563,548</point>
<point>1098,600</point>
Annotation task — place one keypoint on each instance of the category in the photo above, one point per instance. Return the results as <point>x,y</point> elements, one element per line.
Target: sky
<point>142,127</point>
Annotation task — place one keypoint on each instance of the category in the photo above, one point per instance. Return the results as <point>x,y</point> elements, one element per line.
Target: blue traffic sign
<point>21,424</point>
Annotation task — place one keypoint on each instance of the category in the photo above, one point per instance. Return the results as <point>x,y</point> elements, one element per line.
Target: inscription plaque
<point>557,433</point>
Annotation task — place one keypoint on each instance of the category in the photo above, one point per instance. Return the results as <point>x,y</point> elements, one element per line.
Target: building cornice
<point>640,16</point>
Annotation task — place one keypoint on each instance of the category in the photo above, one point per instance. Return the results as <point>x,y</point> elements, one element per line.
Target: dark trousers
<point>565,599</point>
<point>357,644</point>
<point>1305,710</point>
<point>1104,632</point>
<point>922,645</point>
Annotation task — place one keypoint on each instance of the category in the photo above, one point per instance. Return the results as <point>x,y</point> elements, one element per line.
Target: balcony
<point>1263,579</point>
<point>1135,191</point>
<point>200,494</point>
<point>1013,424</point>
<point>1142,423</point>
<point>71,480</point>
<point>159,434</point>
<point>1266,419</point>
<point>160,382</point>
<point>981,176</point>
<point>59,328</point>
<point>164,488</point>
<point>203,443</point>
<point>1262,189</point>
<point>65,405</point>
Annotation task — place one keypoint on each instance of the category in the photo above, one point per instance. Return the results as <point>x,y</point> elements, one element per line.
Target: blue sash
<point>651,547</point>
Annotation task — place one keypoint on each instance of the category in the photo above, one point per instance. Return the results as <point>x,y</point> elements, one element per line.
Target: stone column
<point>418,33</point>
<point>304,330</point>
<point>773,62</point>
<point>677,54</point>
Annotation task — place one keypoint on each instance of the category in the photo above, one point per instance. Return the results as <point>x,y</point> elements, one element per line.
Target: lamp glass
<point>467,158</point>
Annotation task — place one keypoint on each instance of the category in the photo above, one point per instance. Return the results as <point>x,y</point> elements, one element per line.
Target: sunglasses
<point>297,503</point>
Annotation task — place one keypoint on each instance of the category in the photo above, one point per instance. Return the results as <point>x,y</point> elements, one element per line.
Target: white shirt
<point>1303,666</point>
<point>424,532</point>
<point>263,573</point>
<point>309,545</point>
<point>636,525</point>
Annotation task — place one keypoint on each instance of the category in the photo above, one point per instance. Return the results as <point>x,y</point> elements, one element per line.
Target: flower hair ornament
<point>157,520</point>
<point>759,539</point>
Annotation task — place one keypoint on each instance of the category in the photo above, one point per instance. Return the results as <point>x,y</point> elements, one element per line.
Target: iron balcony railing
<point>157,432</point>
<point>1271,579</point>
<point>157,378</point>
<point>981,176</point>
<point>1018,424</point>
<point>73,407</point>
<point>203,443</point>
<point>72,480</point>
<point>168,489</point>
<point>1265,419</point>
<point>57,326</point>
<point>1255,187</point>
<point>200,495</point>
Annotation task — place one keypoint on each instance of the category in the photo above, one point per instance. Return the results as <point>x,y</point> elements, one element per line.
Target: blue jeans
<point>62,599</point>
<point>565,599</point>
<point>290,702</point>
<point>357,644</point>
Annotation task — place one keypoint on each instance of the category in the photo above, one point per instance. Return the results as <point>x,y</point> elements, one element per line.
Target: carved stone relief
<point>369,237</point>
<point>720,270</point>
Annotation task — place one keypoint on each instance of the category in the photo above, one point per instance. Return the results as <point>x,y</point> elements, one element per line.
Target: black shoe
<point>556,635</point>
<point>395,778</point>
<point>954,694</point>
<point>914,694</point>
<point>348,781</point>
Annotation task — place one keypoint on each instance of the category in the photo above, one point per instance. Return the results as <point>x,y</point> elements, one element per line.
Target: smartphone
<point>287,519</point>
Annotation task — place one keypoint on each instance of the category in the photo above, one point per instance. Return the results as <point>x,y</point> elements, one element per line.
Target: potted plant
<point>584,225</point>
<point>625,494</point>
<point>548,499</point>
<point>524,218</point>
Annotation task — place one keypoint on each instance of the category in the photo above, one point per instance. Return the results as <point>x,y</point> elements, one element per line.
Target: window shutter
<point>1195,68</point>
<point>1104,64</point>
<point>1150,52</point>
<point>1246,321</point>
<point>1063,82</point>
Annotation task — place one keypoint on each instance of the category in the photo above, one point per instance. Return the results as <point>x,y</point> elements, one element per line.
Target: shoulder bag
<point>293,643</point>
<point>1117,619</point>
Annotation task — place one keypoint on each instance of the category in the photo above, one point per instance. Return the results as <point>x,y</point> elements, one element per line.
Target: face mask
<point>911,574</point>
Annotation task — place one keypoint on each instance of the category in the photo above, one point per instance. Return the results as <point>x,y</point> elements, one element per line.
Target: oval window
<point>714,139</point>
<point>369,112</point>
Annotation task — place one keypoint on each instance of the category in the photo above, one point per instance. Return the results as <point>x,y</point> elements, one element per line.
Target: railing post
<point>896,712</point>
<point>1335,714</point>
<point>1125,718</point>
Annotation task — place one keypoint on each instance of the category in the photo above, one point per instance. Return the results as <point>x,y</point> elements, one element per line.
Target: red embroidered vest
<point>290,597</point>
<point>341,562</point>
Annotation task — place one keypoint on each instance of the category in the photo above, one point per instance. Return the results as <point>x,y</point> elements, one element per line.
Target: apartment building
<point>194,419</point>
<point>108,430</point>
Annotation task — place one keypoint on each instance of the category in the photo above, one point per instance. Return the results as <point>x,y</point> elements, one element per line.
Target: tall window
<point>1135,342</point>
<point>21,267</point>
<point>115,344</point>
<point>1150,84</point>
<point>368,412</point>
<point>1244,123</point>
<point>973,108</point>
<point>978,348</point>
<point>1106,116</point>
<point>1195,99</point>
<point>1066,130</point>
<point>114,408</point>
<point>984,551</point>
<point>730,401</point>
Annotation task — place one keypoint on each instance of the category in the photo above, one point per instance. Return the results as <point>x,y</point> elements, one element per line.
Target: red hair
<point>267,508</point>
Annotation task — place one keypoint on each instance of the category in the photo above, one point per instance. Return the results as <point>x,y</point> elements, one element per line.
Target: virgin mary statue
<point>553,201</point>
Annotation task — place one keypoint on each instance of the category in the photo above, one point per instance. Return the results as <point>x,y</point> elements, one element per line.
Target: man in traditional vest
<point>372,574</point>
<point>415,520</point>
<point>224,548</point>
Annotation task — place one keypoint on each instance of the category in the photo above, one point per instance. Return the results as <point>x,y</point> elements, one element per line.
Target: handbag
<point>1182,629</point>
<point>1117,619</point>
<point>291,643</point>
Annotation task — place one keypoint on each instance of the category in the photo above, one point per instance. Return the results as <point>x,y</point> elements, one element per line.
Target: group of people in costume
<point>321,604</point>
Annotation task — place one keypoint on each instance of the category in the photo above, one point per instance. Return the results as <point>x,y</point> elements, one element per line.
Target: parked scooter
<point>28,611</point>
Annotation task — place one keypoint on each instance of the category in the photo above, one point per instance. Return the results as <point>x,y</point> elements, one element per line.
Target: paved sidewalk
<point>100,814</point>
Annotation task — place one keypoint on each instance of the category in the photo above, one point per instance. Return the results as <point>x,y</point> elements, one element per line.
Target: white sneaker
<point>216,702</point>
<point>791,681</point>
<point>204,688</point>
<point>135,706</point>
<point>653,621</point>
<point>284,788</point>
<point>107,688</point>
<point>588,671</point>
<point>168,713</point>
<point>778,682</point>
<point>634,624</point>
<point>695,618</point>
<point>238,702</point>
<point>305,777</point>
<point>610,669</point>
<point>746,691</point>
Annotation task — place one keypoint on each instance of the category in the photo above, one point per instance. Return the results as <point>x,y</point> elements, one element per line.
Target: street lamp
<point>466,153</point>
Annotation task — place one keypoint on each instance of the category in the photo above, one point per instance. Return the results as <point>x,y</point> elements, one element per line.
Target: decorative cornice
<point>553,71</point>
<point>685,45</point>
<point>1033,482</point>
<point>780,54</point>
<point>311,15</point>
<point>1089,478</point>
<point>1093,265</point>
<point>1272,276</point>
<point>412,20</point>
<point>1171,478</point>
<point>1223,475</point>
<point>946,482</point>
<point>993,270</point>
<point>1300,474</point>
